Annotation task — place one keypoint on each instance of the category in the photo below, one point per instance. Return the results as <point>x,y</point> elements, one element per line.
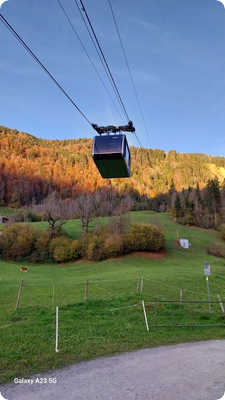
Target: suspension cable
<point>9,27</point>
<point>86,52</point>
<point>98,53</point>
<point>128,67</point>
<point>106,64</point>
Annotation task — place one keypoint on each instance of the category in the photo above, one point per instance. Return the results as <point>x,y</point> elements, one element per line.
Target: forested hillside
<point>31,168</point>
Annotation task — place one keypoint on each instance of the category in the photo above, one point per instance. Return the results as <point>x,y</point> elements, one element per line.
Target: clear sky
<point>175,50</point>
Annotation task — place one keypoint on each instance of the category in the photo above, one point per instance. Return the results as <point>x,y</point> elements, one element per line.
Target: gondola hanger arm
<point>114,129</point>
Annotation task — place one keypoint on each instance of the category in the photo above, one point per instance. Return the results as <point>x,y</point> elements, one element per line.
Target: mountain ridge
<point>33,167</point>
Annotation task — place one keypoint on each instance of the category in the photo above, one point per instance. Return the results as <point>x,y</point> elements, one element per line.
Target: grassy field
<point>6,212</point>
<point>111,320</point>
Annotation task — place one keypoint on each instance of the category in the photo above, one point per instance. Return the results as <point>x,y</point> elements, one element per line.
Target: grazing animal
<point>23,269</point>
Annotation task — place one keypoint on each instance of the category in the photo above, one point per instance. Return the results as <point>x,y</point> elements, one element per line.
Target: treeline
<point>204,208</point>
<point>31,169</point>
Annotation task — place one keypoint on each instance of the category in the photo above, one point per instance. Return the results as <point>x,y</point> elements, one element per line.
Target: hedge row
<point>21,242</point>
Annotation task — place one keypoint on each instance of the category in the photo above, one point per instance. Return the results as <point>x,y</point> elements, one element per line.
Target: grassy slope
<point>91,329</point>
<point>5,211</point>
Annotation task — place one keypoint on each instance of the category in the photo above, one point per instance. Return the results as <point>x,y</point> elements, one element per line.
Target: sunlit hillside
<point>30,168</point>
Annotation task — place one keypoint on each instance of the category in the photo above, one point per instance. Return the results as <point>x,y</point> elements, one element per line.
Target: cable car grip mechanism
<point>114,129</point>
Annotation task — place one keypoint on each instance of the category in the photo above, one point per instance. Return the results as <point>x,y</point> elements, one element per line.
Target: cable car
<point>111,153</point>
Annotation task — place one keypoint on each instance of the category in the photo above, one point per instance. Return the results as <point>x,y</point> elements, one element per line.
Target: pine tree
<point>177,207</point>
<point>213,200</point>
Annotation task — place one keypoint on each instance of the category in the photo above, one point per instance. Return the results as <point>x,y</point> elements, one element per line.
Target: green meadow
<point>111,320</point>
<point>6,212</point>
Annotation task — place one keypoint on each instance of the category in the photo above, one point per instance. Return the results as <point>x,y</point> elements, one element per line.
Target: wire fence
<point>59,318</point>
<point>50,295</point>
<point>37,302</point>
<point>183,314</point>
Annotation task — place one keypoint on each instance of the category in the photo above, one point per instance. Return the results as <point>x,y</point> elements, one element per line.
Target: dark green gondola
<point>111,155</point>
<point>111,152</point>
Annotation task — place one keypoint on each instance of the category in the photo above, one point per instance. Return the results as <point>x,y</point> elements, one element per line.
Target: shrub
<point>144,237</point>
<point>33,217</point>
<point>95,250</point>
<point>222,232</point>
<point>113,246</point>
<point>128,245</point>
<point>83,244</point>
<point>75,250</point>
<point>63,249</point>
<point>42,249</point>
<point>25,215</point>
<point>17,242</point>
<point>60,249</point>
<point>216,250</point>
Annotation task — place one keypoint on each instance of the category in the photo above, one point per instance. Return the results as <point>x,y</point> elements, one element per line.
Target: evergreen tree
<point>177,207</point>
<point>213,200</point>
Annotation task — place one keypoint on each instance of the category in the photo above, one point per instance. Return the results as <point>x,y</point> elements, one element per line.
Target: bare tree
<point>121,212</point>
<point>55,212</point>
<point>87,207</point>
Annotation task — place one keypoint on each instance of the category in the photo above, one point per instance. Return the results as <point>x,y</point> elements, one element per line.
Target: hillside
<point>30,168</point>
<point>111,320</point>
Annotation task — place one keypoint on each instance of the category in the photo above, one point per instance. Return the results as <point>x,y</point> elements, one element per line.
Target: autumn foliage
<point>22,242</point>
<point>32,168</point>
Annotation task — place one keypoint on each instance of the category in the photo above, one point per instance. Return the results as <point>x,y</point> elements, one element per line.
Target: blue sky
<point>176,53</point>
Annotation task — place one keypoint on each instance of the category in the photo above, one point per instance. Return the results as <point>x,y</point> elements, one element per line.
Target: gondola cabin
<point>111,155</point>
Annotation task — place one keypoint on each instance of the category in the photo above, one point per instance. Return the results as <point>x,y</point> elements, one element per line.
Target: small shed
<point>3,219</point>
<point>184,243</point>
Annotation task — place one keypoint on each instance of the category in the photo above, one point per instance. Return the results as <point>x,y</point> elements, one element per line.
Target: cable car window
<point>105,144</point>
<point>127,155</point>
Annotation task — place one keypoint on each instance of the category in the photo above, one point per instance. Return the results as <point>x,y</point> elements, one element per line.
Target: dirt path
<point>194,371</point>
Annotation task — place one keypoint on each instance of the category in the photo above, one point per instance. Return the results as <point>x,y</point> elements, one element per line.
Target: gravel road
<point>194,371</point>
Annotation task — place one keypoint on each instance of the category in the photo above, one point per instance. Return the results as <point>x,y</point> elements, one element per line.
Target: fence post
<point>181,297</point>
<point>138,283</point>
<point>155,312</point>
<point>86,290</point>
<point>221,304</point>
<point>146,321</point>
<point>142,283</point>
<point>19,294</point>
<point>53,294</point>
<point>207,282</point>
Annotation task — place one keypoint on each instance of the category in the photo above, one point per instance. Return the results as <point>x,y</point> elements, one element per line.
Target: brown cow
<point>23,269</point>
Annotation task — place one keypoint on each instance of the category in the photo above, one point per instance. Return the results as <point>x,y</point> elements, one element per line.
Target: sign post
<point>207,272</point>
<point>56,329</point>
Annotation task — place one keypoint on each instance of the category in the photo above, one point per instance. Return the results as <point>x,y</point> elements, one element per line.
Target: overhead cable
<point>40,64</point>
<point>105,61</point>
<point>138,140</point>
<point>131,77</point>
<point>86,52</point>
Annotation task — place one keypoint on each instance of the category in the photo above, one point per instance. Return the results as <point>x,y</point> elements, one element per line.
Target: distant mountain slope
<point>31,168</point>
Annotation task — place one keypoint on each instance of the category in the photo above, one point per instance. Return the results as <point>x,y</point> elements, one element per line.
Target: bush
<point>75,250</point>
<point>63,249</point>
<point>25,215</point>
<point>17,242</point>
<point>95,250</point>
<point>216,250</point>
<point>113,246</point>
<point>83,244</point>
<point>143,237</point>
<point>41,253</point>
<point>222,233</point>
